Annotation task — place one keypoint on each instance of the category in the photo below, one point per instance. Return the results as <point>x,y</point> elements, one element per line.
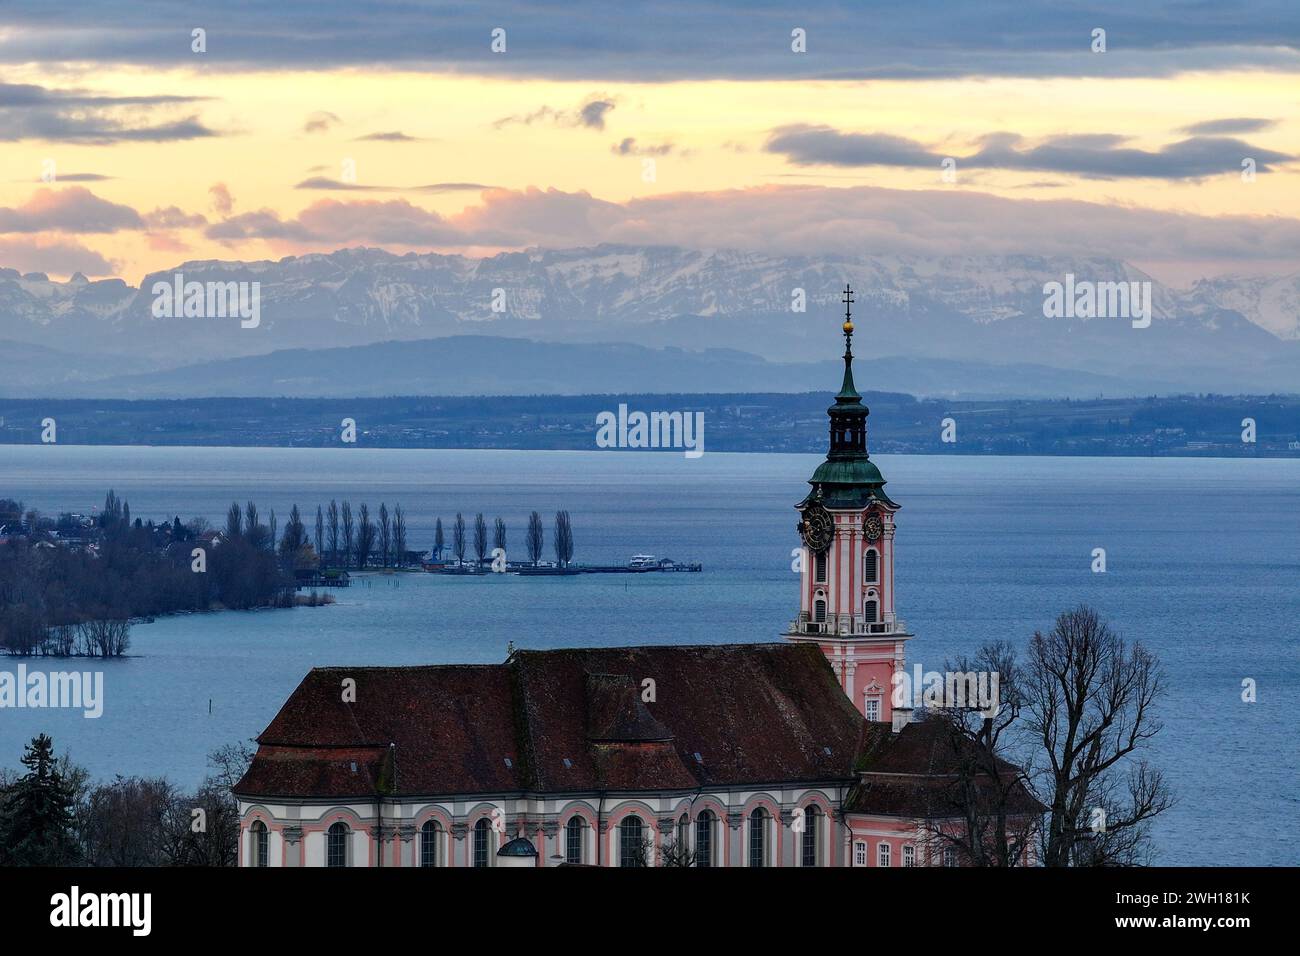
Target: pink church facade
<point>748,755</point>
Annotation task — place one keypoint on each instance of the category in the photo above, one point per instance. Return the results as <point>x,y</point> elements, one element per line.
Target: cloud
<point>327,183</point>
<point>393,136</point>
<point>80,178</point>
<point>723,39</point>
<point>320,122</point>
<point>590,114</point>
<point>825,146</point>
<point>787,220</point>
<point>330,222</point>
<point>72,210</point>
<point>1239,124</point>
<point>222,201</point>
<point>29,112</point>
<point>58,257</point>
<point>174,218</point>
<point>628,146</point>
<point>1094,155</point>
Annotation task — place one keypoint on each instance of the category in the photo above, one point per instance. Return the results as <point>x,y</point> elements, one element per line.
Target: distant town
<point>1182,426</point>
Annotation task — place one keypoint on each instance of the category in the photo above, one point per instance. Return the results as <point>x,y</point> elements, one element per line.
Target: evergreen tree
<point>36,817</point>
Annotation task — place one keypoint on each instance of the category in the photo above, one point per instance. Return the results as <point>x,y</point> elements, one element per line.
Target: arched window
<point>336,845</point>
<point>482,842</point>
<point>819,611</point>
<point>683,833</point>
<point>758,837</point>
<point>573,839</point>
<point>819,566</point>
<point>811,836</point>
<point>430,838</point>
<point>871,567</point>
<point>261,839</point>
<point>704,838</point>
<point>871,611</point>
<point>631,842</point>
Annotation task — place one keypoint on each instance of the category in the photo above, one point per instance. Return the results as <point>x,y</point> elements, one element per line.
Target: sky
<point>128,145</point>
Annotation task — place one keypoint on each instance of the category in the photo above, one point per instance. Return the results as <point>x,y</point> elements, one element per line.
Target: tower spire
<point>848,393</point>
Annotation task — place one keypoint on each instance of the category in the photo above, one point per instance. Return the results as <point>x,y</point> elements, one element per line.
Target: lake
<point>1202,559</point>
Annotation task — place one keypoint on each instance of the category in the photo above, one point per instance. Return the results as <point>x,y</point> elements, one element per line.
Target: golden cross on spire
<point>848,313</point>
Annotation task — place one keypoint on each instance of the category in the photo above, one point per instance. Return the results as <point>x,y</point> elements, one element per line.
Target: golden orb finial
<point>848,326</point>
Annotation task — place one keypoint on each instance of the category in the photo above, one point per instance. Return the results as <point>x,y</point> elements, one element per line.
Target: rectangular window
<point>883,855</point>
<point>949,856</point>
<point>429,846</point>
<point>704,840</point>
<point>573,843</point>
<point>809,847</point>
<point>819,563</point>
<point>909,856</point>
<point>757,824</point>
<point>860,854</point>
<point>870,567</point>
<point>873,708</point>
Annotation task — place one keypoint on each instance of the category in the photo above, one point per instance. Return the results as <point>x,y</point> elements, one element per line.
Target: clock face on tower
<point>817,527</point>
<point>872,527</point>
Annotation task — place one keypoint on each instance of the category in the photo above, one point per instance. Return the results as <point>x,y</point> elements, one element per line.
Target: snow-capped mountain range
<point>1228,333</point>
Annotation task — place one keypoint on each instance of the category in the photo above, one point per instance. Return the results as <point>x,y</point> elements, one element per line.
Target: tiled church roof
<point>919,774</point>
<point>575,721</point>
<point>564,720</point>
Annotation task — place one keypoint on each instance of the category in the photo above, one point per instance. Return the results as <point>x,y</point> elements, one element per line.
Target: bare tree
<point>234,521</point>
<point>104,638</point>
<point>332,522</point>
<point>562,539</point>
<point>480,538</point>
<point>439,542</point>
<point>320,533</point>
<point>458,538</point>
<point>534,540</point>
<point>365,535</point>
<point>499,535</point>
<point>987,813</point>
<point>295,535</point>
<point>399,536</point>
<point>1089,699</point>
<point>676,853</point>
<point>385,534</point>
<point>347,532</point>
<point>252,528</point>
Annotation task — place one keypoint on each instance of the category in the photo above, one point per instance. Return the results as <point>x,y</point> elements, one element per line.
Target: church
<point>723,755</point>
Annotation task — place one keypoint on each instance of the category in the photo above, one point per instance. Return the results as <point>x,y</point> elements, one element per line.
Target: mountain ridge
<point>1234,333</point>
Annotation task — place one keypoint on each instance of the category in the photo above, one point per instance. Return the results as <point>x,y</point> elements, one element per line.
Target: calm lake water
<point>1203,558</point>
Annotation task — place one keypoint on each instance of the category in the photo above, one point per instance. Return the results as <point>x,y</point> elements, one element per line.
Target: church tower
<point>846,584</point>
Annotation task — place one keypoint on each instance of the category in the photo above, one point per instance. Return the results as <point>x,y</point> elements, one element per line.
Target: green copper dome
<point>848,478</point>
